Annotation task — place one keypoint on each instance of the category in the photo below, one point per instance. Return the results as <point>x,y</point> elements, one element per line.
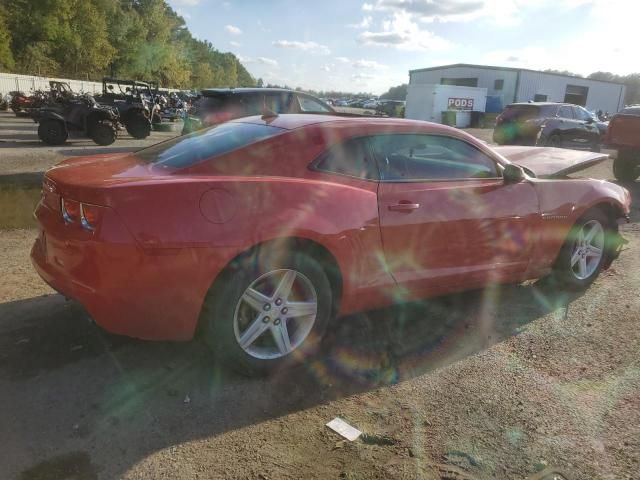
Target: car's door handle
<point>404,207</point>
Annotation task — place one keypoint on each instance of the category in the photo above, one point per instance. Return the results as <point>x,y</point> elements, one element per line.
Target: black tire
<point>156,119</point>
<point>626,167</point>
<point>52,132</point>
<point>138,126</point>
<point>103,133</point>
<point>554,141</point>
<point>563,273</point>
<point>595,147</point>
<point>219,310</point>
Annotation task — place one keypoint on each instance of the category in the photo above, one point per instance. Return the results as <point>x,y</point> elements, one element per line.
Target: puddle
<point>69,466</point>
<point>16,206</point>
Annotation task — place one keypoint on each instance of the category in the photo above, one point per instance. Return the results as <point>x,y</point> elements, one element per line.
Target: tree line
<point>88,39</point>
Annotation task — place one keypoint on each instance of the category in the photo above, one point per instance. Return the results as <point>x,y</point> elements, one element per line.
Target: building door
<point>576,94</point>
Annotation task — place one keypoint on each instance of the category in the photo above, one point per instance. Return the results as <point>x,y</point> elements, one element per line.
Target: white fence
<point>10,82</point>
<point>27,84</point>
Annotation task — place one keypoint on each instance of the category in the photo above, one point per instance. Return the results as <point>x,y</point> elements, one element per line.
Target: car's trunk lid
<point>88,178</point>
<point>547,162</point>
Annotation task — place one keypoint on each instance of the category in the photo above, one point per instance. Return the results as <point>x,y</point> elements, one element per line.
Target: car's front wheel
<point>585,251</point>
<point>268,310</point>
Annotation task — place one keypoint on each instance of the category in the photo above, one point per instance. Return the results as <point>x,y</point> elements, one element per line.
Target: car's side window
<point>581,113</point>
<point>278,102</point>
<point>308,104</point>
<point>352,158</point>
<point>250,104</point>
<point>565,112</point>
<point>430,157</point>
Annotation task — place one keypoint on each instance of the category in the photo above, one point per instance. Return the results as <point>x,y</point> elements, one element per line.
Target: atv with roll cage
<point>134,101</point>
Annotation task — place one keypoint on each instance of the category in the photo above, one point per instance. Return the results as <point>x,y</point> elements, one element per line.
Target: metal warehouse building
<point>507,85</point>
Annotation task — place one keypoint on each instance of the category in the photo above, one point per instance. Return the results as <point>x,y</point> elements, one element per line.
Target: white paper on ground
<point>343,428</point>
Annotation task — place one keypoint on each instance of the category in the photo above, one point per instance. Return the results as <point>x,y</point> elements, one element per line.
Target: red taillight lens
<point>75,212</point>
<point>90,216</point>
<point>70,210</point>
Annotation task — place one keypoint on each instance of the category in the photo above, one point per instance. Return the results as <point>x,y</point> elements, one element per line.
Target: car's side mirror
<point>590,120</point>
<point>513,173</point>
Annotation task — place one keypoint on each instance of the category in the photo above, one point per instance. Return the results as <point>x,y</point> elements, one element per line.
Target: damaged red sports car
<point>256,232</point>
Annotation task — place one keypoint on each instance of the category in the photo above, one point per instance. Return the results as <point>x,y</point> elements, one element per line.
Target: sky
<point>369,46</point>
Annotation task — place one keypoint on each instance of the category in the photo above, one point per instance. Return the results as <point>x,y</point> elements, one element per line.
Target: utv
<point>134,104</point>
<point>82,114</point>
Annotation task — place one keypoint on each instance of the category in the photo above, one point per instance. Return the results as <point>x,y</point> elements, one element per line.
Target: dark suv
<point>548,124</point>
<point>217,105</point>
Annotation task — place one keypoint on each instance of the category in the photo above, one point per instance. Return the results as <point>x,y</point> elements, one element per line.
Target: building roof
<point>510,69</point>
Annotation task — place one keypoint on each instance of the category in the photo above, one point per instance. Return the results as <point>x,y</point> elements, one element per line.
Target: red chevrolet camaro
<point>256,232</point>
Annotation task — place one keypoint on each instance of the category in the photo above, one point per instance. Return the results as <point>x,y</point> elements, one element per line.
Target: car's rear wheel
<point>584,252</point>
<point>626,167</point>
<point>268,310</point>
<point>52,132</point>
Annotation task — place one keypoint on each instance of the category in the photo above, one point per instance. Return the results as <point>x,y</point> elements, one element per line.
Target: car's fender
<point>563,202</point>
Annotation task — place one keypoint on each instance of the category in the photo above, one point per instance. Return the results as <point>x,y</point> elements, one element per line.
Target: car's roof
<point>290,121</point>
<point>538,104</point>
<point>239,91</point>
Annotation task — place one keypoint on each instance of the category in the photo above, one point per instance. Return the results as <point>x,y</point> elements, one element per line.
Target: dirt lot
<point>499,383</point>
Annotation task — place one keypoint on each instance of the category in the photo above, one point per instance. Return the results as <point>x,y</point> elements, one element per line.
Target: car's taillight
<point>70,210</point>
<point>88,216</point>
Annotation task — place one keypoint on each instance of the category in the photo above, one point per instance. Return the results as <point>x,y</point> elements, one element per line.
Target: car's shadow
<point>129,398</point>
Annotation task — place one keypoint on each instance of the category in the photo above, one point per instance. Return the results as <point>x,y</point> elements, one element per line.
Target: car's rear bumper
<point>128,291</point>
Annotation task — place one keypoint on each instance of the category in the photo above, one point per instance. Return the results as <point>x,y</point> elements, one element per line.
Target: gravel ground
<point>499,383</point>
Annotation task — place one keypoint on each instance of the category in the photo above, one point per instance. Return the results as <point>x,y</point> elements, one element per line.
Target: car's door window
<point>308,104</point>
<point>430,157</point>
<point>352,158</point>
<point>250,104</point>
<point>278,102</point>
<point>565,112</point>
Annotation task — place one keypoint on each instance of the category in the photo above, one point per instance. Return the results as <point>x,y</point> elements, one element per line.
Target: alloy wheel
<point>588,250</point>
<point>275,314</point>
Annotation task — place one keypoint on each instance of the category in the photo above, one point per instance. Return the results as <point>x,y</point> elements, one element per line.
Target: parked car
<point>623,135</point>
<point>258,231</point>
<point>218,105</point>
<point>550,124</point>
<point>631,110</point>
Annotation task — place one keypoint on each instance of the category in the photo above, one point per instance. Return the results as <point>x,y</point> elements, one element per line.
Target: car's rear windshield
<point>186,151</point>
<point>521,112</point>
<point>631,111</point>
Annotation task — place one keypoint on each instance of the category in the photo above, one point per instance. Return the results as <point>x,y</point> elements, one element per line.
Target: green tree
<point>85,44</point>
<point>396,93</point>
<point>6,56</point>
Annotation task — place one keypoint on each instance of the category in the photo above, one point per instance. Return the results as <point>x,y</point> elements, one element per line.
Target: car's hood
<point>547,162</point>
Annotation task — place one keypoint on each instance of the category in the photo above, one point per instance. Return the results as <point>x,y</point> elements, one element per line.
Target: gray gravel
<point>499,383</point>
